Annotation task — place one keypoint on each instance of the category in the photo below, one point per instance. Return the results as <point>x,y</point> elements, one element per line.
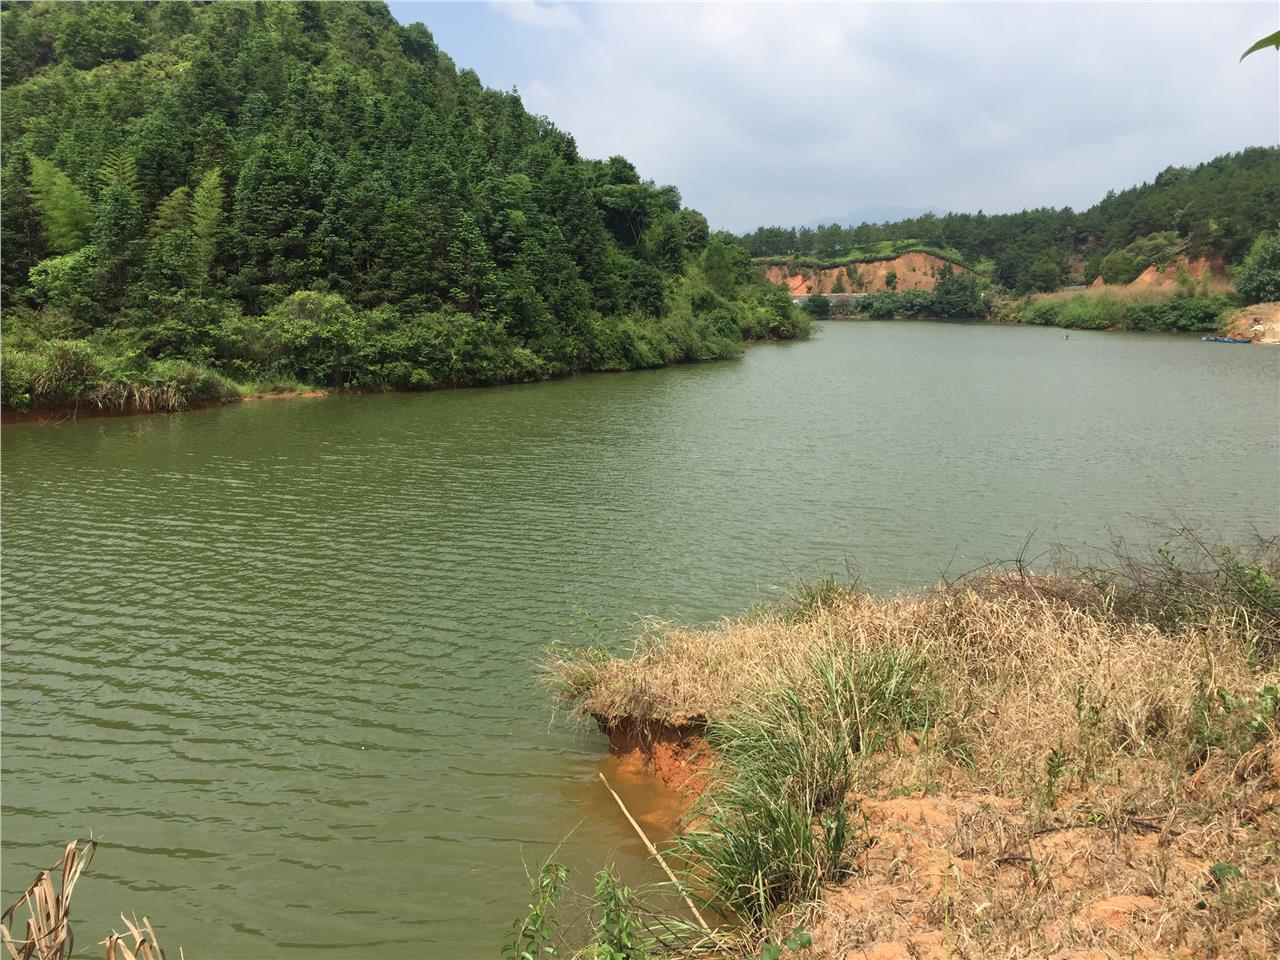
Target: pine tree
<point>64,209</point>
<point>117,214</point>
<point>117,222</point>
<point>207,217</point>
<point>119,169</point>
<point>172,212</point>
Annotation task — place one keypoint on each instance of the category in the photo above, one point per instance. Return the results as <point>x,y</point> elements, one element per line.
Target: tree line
<point>1215,208</point>
<point>314,193</point>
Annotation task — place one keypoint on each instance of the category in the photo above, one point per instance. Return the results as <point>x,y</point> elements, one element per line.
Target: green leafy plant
<point>620,933</point>
<point>1055,768</point>
<point>1258,277</point>
<point>1223,873</point>
<point>534,936</point>
<point>1272,40</point>
<point>1231,724</point>
<point>797,940</point>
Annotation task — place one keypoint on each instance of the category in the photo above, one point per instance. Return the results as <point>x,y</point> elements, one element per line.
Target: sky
<point>765,113</point>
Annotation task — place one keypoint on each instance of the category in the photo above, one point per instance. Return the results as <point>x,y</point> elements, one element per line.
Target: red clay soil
<point>677,754</point>
<point>916,271</point>
<point>936,868</point>
<point>1215,268</point>
<point>939,868</point>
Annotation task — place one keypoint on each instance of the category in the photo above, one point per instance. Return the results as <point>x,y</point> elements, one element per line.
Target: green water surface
<point>280,657</point>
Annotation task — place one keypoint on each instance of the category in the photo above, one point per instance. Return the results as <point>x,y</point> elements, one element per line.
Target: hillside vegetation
<point>870,253</point>
<point>305,193</point>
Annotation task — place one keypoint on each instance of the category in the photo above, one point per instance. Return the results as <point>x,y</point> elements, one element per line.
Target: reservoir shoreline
<point>53,416</point>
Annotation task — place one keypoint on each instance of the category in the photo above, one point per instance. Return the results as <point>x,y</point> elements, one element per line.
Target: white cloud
<point>787,113</point>
<point>545,16</point>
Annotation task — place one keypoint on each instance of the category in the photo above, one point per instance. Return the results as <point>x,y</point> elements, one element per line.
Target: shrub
<point>184,325</point>
<point>778,316</point>
<point>70,373</point>
<point>165,386</point>
<point>248,347</point>
<point>888,305</point>
<point>956,295</point>
<point>67,283</point>
<point>1127,310</point>
<point>58,373</point>
<point>816,305</point>
<point>1119,266</point>
<point>16,369</point>
<point>1258,279</point>
<point>1045,273</point>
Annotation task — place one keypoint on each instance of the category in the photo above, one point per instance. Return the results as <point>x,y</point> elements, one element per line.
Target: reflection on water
<point>282,657</point>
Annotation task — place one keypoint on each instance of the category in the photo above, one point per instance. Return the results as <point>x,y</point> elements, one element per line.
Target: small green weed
<point>799,939</point>
<point>620,934</point>
<point>533,937</point>
<point>1055,768</point>
<point>1231,724</point>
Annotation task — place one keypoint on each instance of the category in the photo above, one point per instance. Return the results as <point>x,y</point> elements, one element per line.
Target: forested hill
<point>1217,208</point>
<point>313,193</point>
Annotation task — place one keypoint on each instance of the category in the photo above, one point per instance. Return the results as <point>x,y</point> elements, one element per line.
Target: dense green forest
<point>302,193</point>
<point>1216,208</point>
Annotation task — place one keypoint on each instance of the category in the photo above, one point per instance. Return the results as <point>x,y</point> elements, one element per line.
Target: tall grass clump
<point>69,374</point>
<point>773,827</point>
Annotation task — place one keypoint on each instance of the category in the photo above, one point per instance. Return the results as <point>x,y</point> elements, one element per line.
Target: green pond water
<point>280,657</point>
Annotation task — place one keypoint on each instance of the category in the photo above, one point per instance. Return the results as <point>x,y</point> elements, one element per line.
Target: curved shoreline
<point>49,415</point>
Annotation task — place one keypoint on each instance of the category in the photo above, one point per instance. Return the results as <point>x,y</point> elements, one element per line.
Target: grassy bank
<point>1127,308</point>
<point>69,374</point>
<point>1108,308</point>
<point>1010,766</point>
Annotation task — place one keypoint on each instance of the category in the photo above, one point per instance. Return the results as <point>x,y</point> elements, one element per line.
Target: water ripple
<point>281,657</point>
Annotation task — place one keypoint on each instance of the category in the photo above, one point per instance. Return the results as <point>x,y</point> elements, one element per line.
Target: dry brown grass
<point>1078,795</point>
<point>47,909</point>
<point>1126,865</point>
<point>140,943</point>
<point>1023,666</point>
